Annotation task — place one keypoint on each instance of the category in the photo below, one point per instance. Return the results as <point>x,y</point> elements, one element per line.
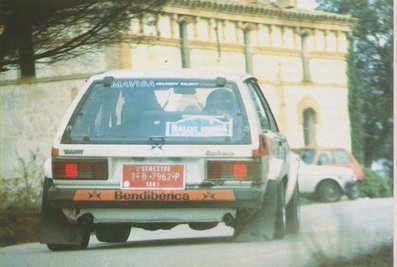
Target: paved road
<point>342,230</point>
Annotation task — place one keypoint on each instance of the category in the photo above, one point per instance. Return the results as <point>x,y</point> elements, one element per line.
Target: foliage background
<point>370,74</point>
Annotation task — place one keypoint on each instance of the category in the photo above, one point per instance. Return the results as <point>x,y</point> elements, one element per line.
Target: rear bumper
<point>192,198</point>
<point>141,208</point>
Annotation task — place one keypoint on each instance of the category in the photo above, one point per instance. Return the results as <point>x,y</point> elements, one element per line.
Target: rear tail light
<point>80,169</point>
<point>234,170</point>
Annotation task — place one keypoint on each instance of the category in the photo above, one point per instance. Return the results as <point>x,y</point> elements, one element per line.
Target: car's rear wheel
<point>328,191</point>
<point>293,212</point>
<point>112,233</point>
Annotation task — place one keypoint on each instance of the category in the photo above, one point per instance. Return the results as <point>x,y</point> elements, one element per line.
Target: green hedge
<point>375,186</point>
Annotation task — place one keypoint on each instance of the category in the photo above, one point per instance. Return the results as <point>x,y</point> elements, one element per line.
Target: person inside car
<point>221,102</point>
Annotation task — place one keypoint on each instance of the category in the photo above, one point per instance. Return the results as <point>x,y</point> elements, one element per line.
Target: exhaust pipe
<point>86,220</point>
<point>228,219</point>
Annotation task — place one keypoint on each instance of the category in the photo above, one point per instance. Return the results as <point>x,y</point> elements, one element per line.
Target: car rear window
<point>159,110</point>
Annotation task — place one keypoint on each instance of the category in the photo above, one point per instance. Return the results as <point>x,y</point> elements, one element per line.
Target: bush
<point>20,201</point>
<point>375,186</point>
<point>24,190</point>
<point>19,226</point>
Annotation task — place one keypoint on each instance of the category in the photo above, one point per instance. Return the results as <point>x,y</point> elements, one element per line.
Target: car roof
<point>177,73</point>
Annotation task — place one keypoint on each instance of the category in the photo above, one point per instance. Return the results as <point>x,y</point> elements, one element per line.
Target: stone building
<point>299,57</point>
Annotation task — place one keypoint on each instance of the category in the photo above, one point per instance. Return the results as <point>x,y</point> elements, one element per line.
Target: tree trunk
<point>26,53</point>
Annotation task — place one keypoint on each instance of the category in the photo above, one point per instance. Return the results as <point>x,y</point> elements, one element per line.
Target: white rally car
<point>155,149</point>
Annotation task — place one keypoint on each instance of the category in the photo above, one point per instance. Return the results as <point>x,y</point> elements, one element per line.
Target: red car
<point>314,155</point>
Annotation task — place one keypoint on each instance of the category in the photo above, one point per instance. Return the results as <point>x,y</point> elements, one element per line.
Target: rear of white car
<point>158,149</point>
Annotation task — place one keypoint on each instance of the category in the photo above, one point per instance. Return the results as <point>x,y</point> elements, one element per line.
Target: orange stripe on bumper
<point>154,195</point>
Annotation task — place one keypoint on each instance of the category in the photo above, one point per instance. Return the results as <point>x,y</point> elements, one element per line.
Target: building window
<point>185,52</point>
<point>309,126</point>
<point>305,58</point>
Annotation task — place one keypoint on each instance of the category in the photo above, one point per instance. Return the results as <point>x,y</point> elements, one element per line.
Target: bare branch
<point>65,29</point>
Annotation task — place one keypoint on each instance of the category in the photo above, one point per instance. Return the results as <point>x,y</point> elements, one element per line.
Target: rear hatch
<point>157,134</point>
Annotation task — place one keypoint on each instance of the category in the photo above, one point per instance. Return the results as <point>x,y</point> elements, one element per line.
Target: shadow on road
<point>163,242</point>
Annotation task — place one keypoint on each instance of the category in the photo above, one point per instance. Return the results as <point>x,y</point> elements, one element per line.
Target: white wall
<point>30,114</point>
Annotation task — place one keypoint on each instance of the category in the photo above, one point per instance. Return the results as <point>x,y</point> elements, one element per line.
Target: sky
<point>306,4</point>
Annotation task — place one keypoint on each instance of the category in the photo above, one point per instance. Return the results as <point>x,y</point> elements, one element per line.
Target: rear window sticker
<point>133,84</point>
<point>157,84</point>
<point>199,126</point>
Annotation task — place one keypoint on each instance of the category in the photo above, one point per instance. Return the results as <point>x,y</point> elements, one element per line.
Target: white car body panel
<point>310,176</point>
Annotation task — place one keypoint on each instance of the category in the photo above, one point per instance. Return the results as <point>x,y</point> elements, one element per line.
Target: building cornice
<point>264,9</point>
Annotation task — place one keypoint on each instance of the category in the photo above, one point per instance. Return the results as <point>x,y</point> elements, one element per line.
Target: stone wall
<point>29,116</point>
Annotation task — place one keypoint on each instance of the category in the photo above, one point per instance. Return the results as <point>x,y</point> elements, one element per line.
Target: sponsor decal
<point>156,146</point>
<point>73,151</point>
<point>158,83</point>
<point>218,153</point>
<point>154,195</point>
<point>151,196</point>
<point>94,194</point>
<point>199,126</point>
<point>209,195</point>
<point>132,84</point>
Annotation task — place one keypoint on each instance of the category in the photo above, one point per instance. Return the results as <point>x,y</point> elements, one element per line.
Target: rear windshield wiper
<point>156,140</point>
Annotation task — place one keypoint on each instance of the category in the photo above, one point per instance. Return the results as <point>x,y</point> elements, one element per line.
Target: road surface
<point>328,231</point>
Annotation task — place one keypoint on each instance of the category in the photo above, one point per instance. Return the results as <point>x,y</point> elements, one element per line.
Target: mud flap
<point>55,229</point>
<point>261,226</point>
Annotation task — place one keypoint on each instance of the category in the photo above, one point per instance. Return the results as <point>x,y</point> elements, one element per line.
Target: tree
<point>356,106</point>
<point>370,71</point>
<point>52,30</point>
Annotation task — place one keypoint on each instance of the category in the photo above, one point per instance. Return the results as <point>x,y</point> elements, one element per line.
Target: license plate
<point>160,176</point>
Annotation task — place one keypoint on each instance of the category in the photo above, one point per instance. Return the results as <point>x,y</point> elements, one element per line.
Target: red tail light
<point>263,148</point>
<point>240,170</point>
<point>71,170</point>
<point>80,169</point>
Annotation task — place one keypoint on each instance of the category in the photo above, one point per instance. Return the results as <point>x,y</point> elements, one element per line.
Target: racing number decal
<point>153,195</point>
